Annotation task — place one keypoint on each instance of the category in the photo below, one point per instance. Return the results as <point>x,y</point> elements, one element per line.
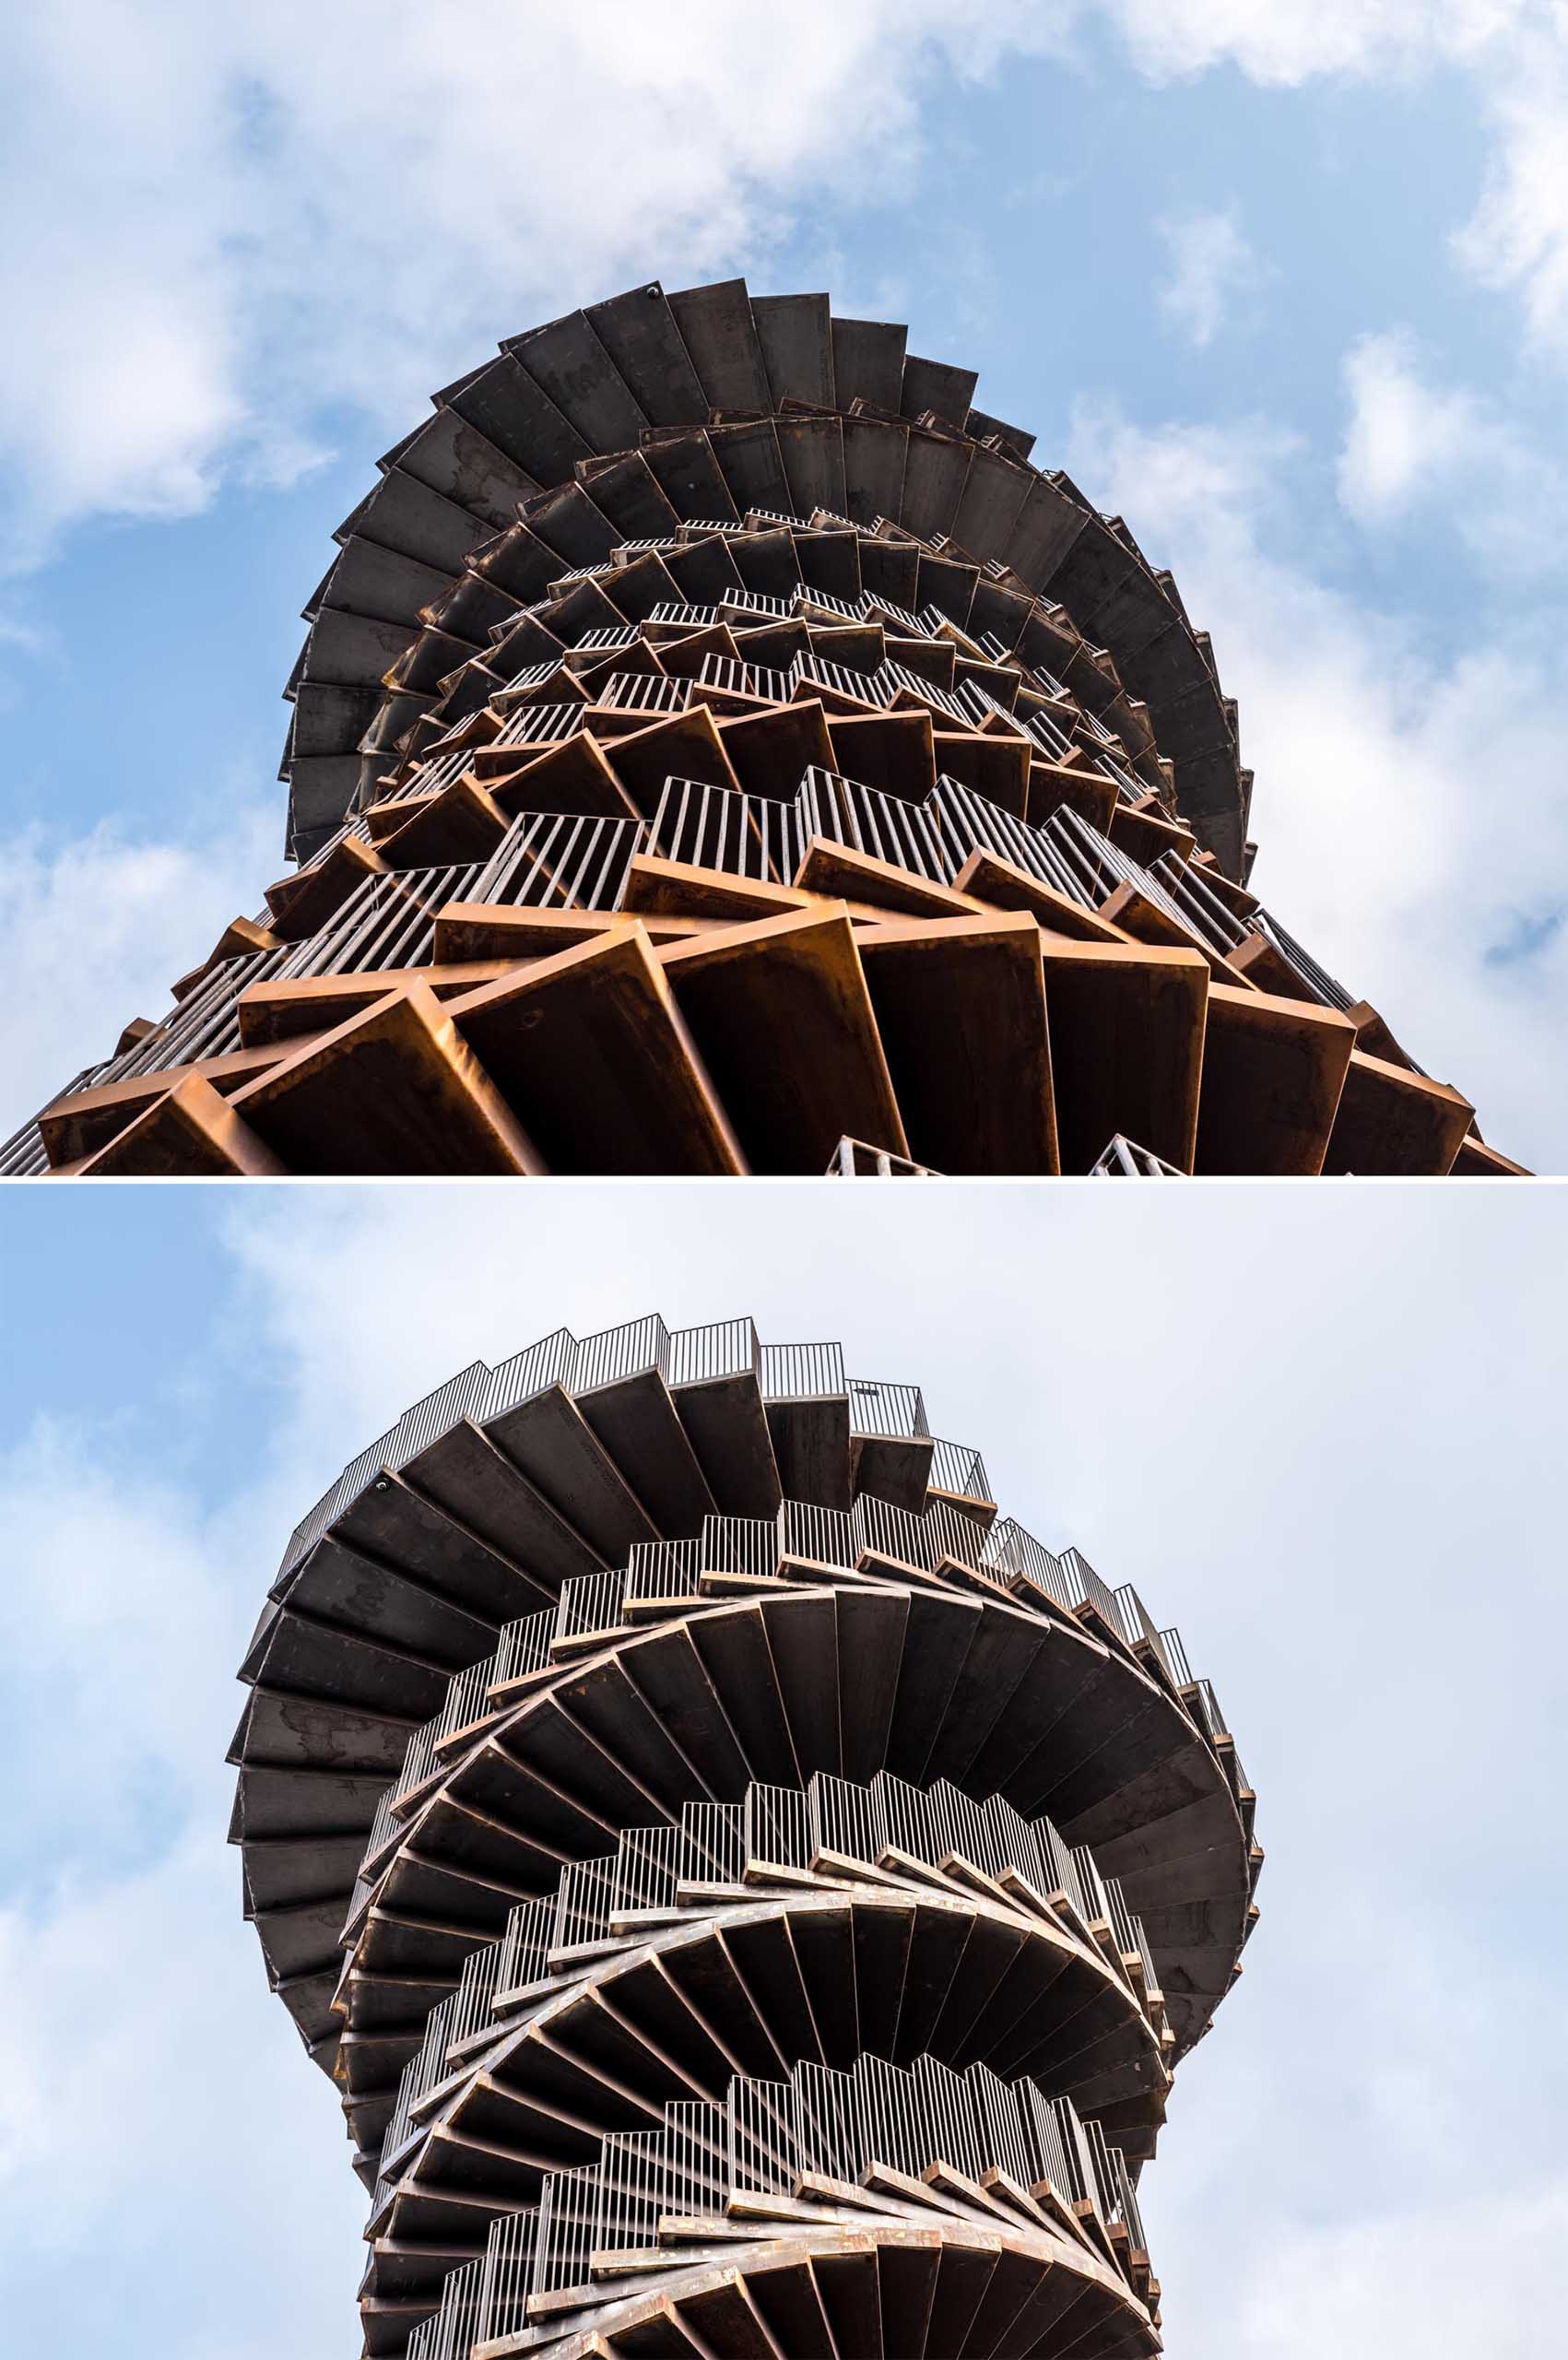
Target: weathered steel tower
<point>718,749</point>
<point>752,1897</point>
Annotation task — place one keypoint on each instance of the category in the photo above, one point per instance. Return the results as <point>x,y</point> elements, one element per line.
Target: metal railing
<point>530,1372</point>
<point>734,1847</point>
<point>651,692</point>
<point>388,923</point>
<point>856,1159</point>
<point>443,1410</point>
<point>827,602</point>
<point>617,635</point>
<point>664,1570</point>
<point>696,617</point>
<point>554,860</point>
<point>584,1899</point>
<point>876,608</point>
<point>723,1348</point>
<point>467,2305</point>
<point>817,1536</point>
<point>802,1372</point>
<point>473,2002</point>
<point>1209,1710</point>
<point>1225,931</point>
<point>1198,902</point>
<point>384,923</point>
<point>1112,2191</point>
<point>937,622</point>
<point>466,1700</point>
<point>591,1605</point>
<point>897,1411</point>
<point>1318,981</point>
<point>542,724</point>
<point>896,677</point>
<point>772,2140</point>
<point>740,1544</point>
<point>24,1155</point>
<point>616,1353</point>
<point>756,603</point>
<point>469,1394</point>
<point>1055,742</point>
<point>956,1468</point>
<point>1122,1158</point>
<point>669,1575</point>
<point>442,765</point>
<point>780,1829</point>
<point>571,860</point>
<point>1176,1656</point>
<point>383,1826</point>
<point>525,1648</point>
<point>865,686</point>
<point>424,2072</point>
<point>735,677</point>
<point>1102,867</point>
<point>878,1528</point>
<point>715,827</point>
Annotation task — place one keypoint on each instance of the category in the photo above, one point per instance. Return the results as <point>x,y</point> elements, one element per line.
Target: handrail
<point>802,1372</point>
<point>760,2142</point>
<point>895,1411</point>
<point>738,1845</point>
<point>671,1573</point>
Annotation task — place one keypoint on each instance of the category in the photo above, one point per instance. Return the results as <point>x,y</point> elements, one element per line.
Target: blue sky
<point>1330,1457</point>
<point>1286,287</point>
<point>1289,288</point>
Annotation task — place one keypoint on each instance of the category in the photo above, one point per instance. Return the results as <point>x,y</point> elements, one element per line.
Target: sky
<point>1288,288</point>
<point>1319,1430</point>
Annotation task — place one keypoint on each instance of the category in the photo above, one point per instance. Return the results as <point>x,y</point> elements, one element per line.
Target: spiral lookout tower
<point>751,1895</point>
<point>717,747</point>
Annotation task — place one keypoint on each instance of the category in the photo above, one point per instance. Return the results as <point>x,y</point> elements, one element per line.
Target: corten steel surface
<point>732,1874</point>
<point>715,739</point>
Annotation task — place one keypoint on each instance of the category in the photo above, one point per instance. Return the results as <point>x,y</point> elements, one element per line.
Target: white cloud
<point>1404,436</point>
<point>439,189</point>
<point>1468,2277</point>
<point>114,1614</point>
<point>1515,54</point>
<point>95,928</point>
<point>154,2099</point>
<point>1413,446</point>
<point>1518,237</point>
<point>1408,808</point>
<point>1293,41</point>
<point>252,213</point>
<point>158,2125</point>
<point>1212,265</point>
<point>154,2106</point>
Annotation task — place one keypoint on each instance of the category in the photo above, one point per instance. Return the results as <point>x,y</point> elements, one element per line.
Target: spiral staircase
<point>751,1895</point>
<point>715,742</point>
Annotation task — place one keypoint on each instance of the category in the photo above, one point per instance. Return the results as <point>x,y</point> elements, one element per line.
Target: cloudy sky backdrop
<point>1319,1430</point>
<point>1288,285</point>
